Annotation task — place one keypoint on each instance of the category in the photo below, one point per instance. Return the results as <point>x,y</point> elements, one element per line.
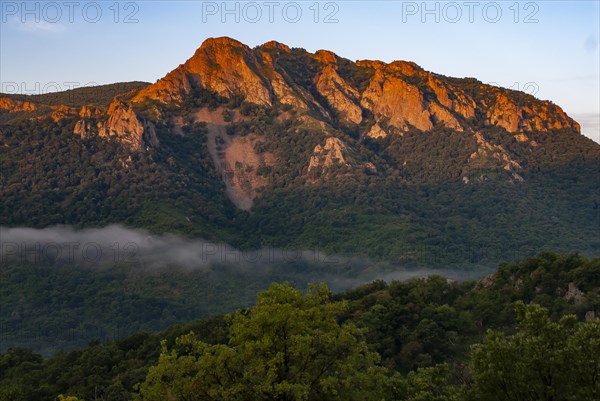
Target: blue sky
<point>547,48</point>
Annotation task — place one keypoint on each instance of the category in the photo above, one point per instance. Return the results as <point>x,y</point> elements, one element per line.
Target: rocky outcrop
<point>82,128</point>
<point>525,114</point>
<point>453,99</point>
<point>272,44</point>
<point>61,112</point>
<point>335,153</point>
<point>295,95</point>
<point>391,94</point>
<point>489,153</point>
<point>12,105</point>
<point>332,153</point>
<point>488,280</point>
<point>521,137</point>
<point>376,132</point>
<point>442,115</point>
<point>85,126</point>
<point>121,122</point>
<point>169,89</point>
<point>574,294</point>
<point>504,113</point>
<point>401,102</point>
<point>340,95</point>
<point>85,112</point>
<point>89,112</point>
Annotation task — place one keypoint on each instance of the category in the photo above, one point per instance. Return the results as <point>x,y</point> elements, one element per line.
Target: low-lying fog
<point>116,244</point>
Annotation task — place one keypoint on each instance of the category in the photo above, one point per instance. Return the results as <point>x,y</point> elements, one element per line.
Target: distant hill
<point>100,95</point>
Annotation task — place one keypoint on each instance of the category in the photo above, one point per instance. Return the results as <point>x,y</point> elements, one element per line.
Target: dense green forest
<point>52,177</point>
<point>54,306</point>
<point>529,331</point>
<point>414,210</point>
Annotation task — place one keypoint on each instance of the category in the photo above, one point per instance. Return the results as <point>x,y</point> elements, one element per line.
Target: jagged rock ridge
<point>400,92</point>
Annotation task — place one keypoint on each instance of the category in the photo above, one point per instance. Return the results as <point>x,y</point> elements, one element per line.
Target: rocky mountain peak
<point>222,65</point>
<point>326,56</point>
<point>220,43</point>
<point>404,67</point>
<point>400,92</point>
<point>272,44</point>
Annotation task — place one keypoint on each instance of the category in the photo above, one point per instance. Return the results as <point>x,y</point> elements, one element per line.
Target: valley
<point>273,223</point>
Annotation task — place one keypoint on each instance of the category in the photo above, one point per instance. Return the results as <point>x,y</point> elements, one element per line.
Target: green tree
<point>289,347</point>
<point>11,393</point>
<point>428,384</point>
<point>543,360</point>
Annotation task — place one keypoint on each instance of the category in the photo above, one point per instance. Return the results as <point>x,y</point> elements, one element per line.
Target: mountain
<point>281,147</point>
<point>401,93</point>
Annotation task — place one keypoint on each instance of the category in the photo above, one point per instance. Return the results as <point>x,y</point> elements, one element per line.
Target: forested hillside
<point>52,177</point>
<point>424,339</point>
<point>276,146</point>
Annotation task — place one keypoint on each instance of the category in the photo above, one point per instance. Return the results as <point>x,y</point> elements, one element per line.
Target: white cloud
<point>39,26</point>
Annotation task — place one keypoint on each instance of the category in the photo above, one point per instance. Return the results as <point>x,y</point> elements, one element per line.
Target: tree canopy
<point>543,360</point>
<point>289,347</point>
